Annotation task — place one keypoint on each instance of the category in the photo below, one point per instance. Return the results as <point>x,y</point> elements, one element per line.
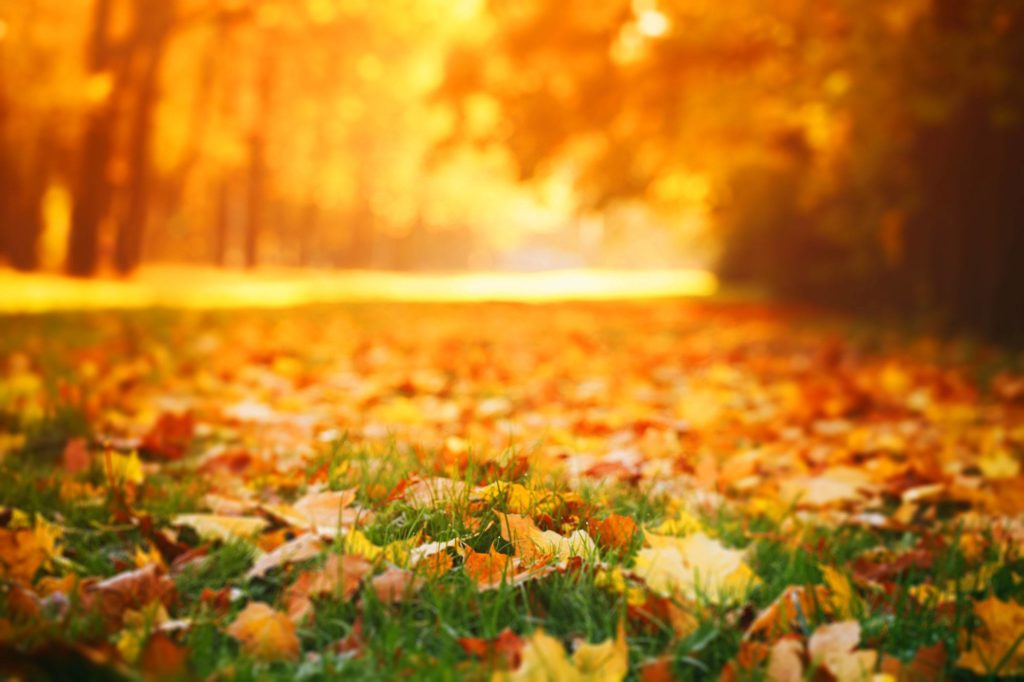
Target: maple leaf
<point>301,548</point>
<point>339,577</point>
<point>534,546</point>
<point>163,659</point>
<point>694,566</point>
<point>517,498</point>
<point>326,513</point>
<point>785,662</point>
<point>997,647</point>
<point>544,659</point>
<point>615,532</point>
<point>129,591</point>
<point>785,613</point>
<point>833,645</point>
<point>430,492</point>
<point>120,469</point>
<point>505,650</point>
<point>490,569</point>
<point>265,634</point>
<point>395,584</point>
<point>832,487</point>
<point>24,550</point>
<point>170,436</point>
<point>76,456</point>
<point>215,527</point>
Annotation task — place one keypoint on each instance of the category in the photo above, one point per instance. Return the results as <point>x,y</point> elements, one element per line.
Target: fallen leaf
<point>395,584</point>
<point>998,637</point>
<point>615,532</point>
<point>785,662</point>
<point>833,647</point>
<point>23,551</point>
<point>490,569</point>
<point>170,436</point>
<point>76,456</point>
<point>695,566</point>
<point>265,634</point>
<point>503,651</point>
<point>215,527</point>
<point>534,546</point>
<point>339,577</point>
<point>544,659</point>
<point>301,548</point>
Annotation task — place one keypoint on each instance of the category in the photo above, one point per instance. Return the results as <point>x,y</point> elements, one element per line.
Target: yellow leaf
<point>544,660</point>
<point>532,544</point>
<point>1001,626</point>
<point>683,524</point>
<point>213,527</point>
<point>24,550</point>
<point>841,597</point>
<point>607,661</point>
<point>265,634</point>
<point>122,469</point>
<point>999,463</point>
<point>695,566</point>
<point>518,500</point>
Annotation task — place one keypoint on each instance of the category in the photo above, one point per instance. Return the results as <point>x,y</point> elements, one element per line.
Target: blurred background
<point>859,154</point>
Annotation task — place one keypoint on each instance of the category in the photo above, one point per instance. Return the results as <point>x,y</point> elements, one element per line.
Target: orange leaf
<point>488,570</point>
<point>394,584</point>
<point>615,532</point>
<point>265,634</point>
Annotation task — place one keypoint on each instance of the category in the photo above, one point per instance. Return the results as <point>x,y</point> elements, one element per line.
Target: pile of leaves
<point>655,491</point>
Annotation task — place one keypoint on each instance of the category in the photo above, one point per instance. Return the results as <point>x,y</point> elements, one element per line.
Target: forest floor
<point>576,491</point>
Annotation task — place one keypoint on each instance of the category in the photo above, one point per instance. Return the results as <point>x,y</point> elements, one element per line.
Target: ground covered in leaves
<point>649,491</point>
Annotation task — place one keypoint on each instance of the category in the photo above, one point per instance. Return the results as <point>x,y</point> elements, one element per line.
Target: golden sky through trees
<point>322,116</point>
<point>865,155</point>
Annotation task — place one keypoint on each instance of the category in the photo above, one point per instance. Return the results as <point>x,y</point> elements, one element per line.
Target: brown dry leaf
<point>928,663</point>
<point>998,638</point>
<point>503,651</point>
<point>832,646</point>
<point>76,456</point>
<point>395,584</point>
<point>301,548</point>
<point>785,661</point>
<point>339,577</point>
<point>170,436</point>
<point>265,634</point>
<point>131,590</point>
<point>325,513</point>
<point>615,532</point>
<point>162,658</point>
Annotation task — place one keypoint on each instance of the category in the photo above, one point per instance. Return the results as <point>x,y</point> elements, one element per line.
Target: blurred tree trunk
<point>222,223</point>
<point>255,202</point>
<point>27,218</point>
<point>92,193</point>
<point>8,180</point>
<point>153,24</point>
<point>257,180</point>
